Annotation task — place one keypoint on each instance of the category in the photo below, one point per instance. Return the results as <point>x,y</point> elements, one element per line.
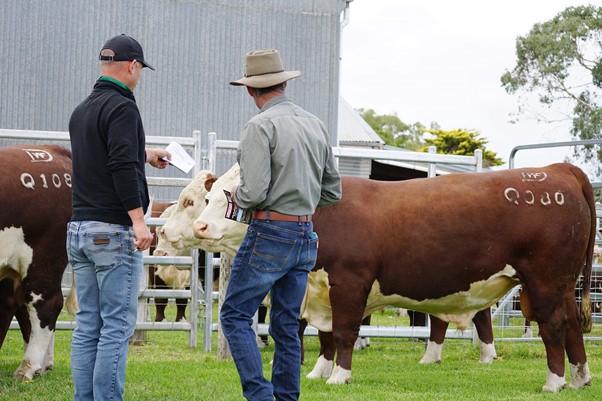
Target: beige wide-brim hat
<point>263,68</point>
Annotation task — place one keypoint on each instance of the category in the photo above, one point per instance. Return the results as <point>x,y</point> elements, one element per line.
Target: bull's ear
<point>209,182</point>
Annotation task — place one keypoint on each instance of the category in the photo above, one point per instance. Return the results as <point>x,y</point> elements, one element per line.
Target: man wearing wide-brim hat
<point>287,170</point>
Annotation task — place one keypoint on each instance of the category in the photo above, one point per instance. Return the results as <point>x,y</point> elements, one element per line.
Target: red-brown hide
<point>429,238</point>
<point>35,196</point>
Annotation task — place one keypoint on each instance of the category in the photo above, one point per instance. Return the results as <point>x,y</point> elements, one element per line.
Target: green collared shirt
<point>115,81</point>
<point>286,161</point>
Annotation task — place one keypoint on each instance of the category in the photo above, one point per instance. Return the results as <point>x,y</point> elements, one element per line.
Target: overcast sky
<point>441,60</point>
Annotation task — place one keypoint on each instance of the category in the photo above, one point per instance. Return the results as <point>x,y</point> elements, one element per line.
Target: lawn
<point>165,368</point>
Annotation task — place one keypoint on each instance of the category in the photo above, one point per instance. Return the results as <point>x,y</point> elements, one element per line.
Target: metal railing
<point>189,262</point>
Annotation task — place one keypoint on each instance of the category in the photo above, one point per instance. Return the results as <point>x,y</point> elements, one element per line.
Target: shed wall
<point>49,51</point>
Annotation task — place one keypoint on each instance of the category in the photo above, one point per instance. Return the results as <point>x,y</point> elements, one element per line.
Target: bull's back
<point>36,189</point>
<point>431,237</point>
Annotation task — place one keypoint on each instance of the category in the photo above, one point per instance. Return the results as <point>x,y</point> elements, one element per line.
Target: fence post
<point>208,162</point>
<point>478,154</point>
<point>432,170</point>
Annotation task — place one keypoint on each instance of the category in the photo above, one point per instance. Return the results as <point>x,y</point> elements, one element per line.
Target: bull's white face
<point>164,247</point>
<point>178,228</point>
<point>215,232</point>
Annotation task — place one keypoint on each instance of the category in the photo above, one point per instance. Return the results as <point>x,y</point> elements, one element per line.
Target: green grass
<point>165,368</point>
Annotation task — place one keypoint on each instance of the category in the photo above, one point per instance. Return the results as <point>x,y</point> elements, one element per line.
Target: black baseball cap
<point>125,48</point>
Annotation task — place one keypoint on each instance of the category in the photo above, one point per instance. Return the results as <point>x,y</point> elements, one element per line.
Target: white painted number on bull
<point>529,197</point>
<point>38,155</point>
<point>28,181</point>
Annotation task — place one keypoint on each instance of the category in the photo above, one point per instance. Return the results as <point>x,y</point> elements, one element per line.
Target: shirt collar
<point>115,81</point>
<point>274,101</point>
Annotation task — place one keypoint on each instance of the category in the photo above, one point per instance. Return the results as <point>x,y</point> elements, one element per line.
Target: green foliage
<point>560,62</point>
<point>461,142</point>
<point>394,131</point>
<point>399,134</point>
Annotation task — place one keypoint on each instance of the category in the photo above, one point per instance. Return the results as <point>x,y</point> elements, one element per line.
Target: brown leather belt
<point>270,215</point>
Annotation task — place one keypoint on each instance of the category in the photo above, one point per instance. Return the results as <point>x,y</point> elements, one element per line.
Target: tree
<point>399,134</point>
<point>560,62</point>
<point>461,142</point>
<point>394,131</point>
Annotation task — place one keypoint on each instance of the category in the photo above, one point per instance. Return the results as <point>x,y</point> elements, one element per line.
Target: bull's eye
<point>206,202</point>
<point>188,203</point>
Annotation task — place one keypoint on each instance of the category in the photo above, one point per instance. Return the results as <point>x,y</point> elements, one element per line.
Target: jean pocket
<point>104,249</point>
<point>271,253</point>
<point>312,253</point>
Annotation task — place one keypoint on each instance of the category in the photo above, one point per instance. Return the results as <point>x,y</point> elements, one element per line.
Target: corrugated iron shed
<point>49,51</point>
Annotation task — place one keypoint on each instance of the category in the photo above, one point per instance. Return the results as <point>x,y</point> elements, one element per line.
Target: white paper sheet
<point>179,158</point>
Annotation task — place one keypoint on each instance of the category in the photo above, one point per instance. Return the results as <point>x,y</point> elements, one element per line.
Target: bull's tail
<point>71,302</point>
<point>586,303</point>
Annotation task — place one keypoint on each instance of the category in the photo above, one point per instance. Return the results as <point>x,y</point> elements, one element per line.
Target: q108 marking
<point>57,180</point>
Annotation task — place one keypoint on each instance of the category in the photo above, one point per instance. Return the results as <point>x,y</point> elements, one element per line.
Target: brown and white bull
<point>36,206</point>
<point>448,246</point>
<point>169,276</point>
<point>323,368</point>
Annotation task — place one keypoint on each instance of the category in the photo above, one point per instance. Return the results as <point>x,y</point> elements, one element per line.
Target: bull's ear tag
<point>233,212</point>
<point>101,241</point>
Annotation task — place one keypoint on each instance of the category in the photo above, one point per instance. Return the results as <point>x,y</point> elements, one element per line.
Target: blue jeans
<point>274,256</point>
<point>107,274</point>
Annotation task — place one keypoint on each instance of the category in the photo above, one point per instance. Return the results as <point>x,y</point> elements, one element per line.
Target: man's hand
<point>157,157</point>
<point>143,236</point>
<point>232,192</point>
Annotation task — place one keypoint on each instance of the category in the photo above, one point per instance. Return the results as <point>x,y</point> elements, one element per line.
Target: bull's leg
<point>482,322</point>
<point>261,315</point>
<point>8,308</point>
<point>348,305</point>
<point>552,328</point>
<point>181,304</point>
<point>436,338</point>
<point>302,327</point>
<point>363,342</point>
<point>323,366</point>
<point>160,303</point>
<point>528,333</point>
<point>575,349</point>
<point>39,355</point>
<point>5,319</point>
<point>24,324</point>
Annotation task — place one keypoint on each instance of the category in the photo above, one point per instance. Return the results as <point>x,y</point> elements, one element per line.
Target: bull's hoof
<point>361,343</point>
<point>339,376</point>
<point>322,369</point>
<point>432,353</point>
<point>25,372</point>
<point>426,361</point>
<point>528,333</point>
<point>488,353</point>
<point>580,376</point>
<point>554,383</point>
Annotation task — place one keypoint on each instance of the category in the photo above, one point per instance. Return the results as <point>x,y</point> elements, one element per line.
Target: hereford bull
<point>216,210</point>
<point>36,206</point>
<point>169,276</point>
<point>450,246</point>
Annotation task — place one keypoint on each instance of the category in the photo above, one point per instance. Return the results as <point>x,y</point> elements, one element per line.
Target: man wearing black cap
<point>107,229</point>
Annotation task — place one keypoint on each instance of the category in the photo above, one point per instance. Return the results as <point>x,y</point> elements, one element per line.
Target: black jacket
<point>108,146</point>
